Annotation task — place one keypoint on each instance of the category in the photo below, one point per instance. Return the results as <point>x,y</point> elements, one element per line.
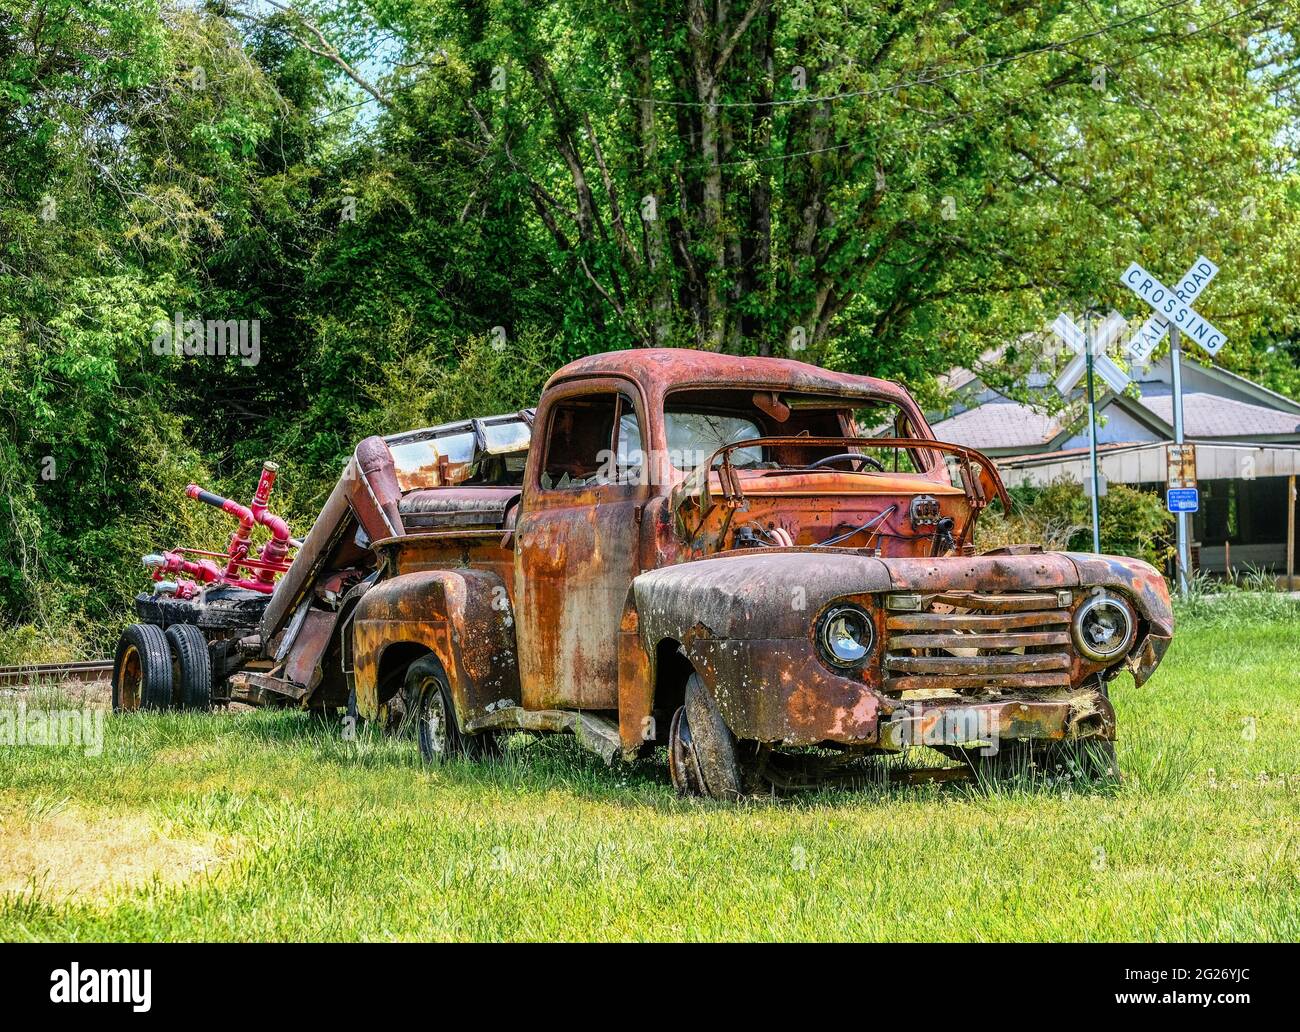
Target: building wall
<point>1117,427</point>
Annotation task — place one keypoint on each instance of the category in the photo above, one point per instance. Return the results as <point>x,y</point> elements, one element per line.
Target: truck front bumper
<point>778,691</point>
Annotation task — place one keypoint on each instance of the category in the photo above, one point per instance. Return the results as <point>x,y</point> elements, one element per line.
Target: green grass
<point>300,835</point>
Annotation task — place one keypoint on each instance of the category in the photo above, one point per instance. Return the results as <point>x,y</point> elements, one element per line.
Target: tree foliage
<point>429,205</point>
<point>888,186</point>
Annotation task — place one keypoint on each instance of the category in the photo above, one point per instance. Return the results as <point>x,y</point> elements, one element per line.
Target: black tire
<point>191,666</point>
<point>702,754</point>
<point>429,704</point>
<point>142,670</point>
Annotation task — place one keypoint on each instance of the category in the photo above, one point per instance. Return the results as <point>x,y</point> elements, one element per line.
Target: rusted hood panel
<point>985,573</point>
<point>757,594</point>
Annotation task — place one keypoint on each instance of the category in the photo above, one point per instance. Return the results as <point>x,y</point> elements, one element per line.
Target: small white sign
<point>1170,304</point>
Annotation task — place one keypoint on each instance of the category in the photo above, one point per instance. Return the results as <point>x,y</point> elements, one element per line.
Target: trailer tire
<point>191,666</point>
<point>142,670</point>
<point>429,704</point>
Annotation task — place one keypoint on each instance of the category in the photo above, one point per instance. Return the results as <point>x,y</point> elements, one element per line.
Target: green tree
<point>888,187</point>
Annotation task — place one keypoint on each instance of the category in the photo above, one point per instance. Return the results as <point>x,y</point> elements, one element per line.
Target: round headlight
<point>846,636</point>
<point>1103,628</point>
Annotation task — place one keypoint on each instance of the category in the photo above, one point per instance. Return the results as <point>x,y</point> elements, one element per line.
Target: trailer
<point>263,625</point>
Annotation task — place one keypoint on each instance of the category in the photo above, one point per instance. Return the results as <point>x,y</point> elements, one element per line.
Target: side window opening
<point>885,419</point>
<point>594,440</point>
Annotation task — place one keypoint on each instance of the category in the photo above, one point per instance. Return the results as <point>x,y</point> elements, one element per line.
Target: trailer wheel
<point>702,756</point>
<point>430,705</point>
<point>142,670</point>
<point>191,666</point>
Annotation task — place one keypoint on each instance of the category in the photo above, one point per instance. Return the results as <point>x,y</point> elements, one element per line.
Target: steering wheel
<point>846,456</point>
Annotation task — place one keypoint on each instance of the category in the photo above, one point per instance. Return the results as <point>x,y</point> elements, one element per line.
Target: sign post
<point>1183,495</point>
<point>1092,445</point>
<point>1174,314</point>
<point>1090,358</point>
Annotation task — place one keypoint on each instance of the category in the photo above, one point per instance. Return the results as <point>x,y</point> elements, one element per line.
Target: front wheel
<point>428,699</point>
<point>702,755</point>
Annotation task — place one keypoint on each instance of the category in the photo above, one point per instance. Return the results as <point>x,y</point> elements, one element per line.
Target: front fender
<point>1143,583</point>
<point>744,622</point>
<point>462,616</point>
<point>757,593</point>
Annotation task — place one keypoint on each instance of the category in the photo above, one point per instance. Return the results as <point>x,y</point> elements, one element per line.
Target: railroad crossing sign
<point>1172,307</point>
<point>1090,357</point>
<point>1077,341</point>
<point>1174,315</point>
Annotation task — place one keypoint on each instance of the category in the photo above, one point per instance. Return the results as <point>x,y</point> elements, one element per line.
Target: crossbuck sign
<point>1174,315</point>
<point>1172,307</point>
<point>1090,357</point>
<point>1077,341</point>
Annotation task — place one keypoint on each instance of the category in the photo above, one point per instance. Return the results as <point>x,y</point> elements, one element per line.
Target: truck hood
<point>773,593</point>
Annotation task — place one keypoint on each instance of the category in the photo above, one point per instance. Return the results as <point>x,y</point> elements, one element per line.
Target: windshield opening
<point>699,422</point>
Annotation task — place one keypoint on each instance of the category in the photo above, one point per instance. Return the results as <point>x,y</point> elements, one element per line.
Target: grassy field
<point>268,825</point>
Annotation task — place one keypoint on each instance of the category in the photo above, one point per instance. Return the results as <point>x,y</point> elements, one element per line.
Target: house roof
<point>999,424</point>
<point>1209,415</point>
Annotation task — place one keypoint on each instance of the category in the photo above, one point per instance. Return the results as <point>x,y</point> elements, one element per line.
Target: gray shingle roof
<point>998,424</point>
<point>1207,415</point>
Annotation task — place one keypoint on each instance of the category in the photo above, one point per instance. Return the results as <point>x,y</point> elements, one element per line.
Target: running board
<point>595,733</point>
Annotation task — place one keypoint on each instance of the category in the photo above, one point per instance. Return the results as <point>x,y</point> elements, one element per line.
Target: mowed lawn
<point>269,825</point>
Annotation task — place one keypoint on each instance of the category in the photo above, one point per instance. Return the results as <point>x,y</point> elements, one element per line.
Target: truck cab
<point>753,561</point>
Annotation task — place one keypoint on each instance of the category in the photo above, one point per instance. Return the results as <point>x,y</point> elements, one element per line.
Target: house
<point>1247,449</point>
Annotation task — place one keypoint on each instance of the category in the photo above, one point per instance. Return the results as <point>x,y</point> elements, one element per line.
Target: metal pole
<point>1290,532</point>
<point>1184,519</point>
<point>1092,439</point>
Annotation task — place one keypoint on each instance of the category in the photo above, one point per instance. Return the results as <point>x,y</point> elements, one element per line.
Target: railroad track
<point>27,674</point>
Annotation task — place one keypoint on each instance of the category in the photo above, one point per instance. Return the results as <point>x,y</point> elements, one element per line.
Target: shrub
<point>1058,516</point>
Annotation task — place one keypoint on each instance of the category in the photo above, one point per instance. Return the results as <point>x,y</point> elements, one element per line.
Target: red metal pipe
<point>270,560</point>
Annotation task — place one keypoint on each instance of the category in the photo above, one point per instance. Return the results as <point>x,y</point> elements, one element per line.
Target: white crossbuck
<point>1077,341</point>
<point>1172,307</point>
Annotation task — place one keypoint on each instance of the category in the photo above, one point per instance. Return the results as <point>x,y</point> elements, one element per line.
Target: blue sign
<point>1183,499</point>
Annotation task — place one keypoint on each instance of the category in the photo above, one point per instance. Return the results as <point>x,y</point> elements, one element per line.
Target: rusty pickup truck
<point>768,567</point>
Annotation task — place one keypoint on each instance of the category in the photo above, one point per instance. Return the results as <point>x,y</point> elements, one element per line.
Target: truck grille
<point>965,641</point>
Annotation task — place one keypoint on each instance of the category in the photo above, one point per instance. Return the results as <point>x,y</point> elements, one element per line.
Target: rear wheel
<point>142,670</point>
<point>702,755</point>
<point>191,666</point>
<point>428,700</point>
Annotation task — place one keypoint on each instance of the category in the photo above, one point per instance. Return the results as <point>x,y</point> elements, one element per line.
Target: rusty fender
<point>745,623</point>
<point>1142,583</point>
<point>463,616</point>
